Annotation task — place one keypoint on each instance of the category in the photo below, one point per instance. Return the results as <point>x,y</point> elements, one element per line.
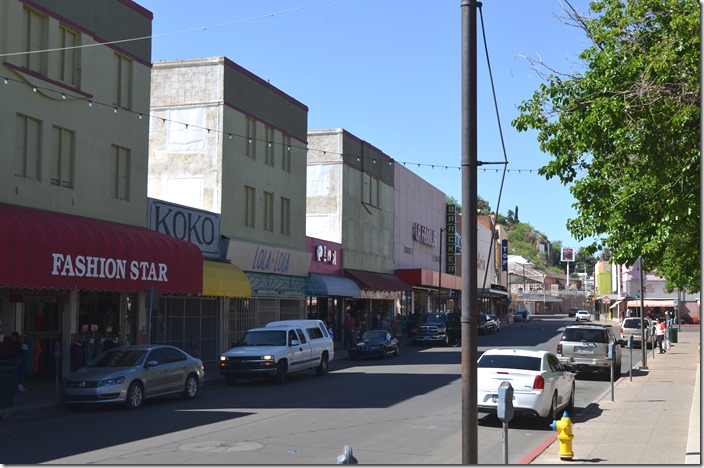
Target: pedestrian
<point>660,334</point>
<point>348,328</point>
<point>17,360</point>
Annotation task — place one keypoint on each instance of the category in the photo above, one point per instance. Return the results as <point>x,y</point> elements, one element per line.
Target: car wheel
<point>570,403</point>
<point>230,379</point>
<point>281,371</point>
<point>135,396</point>
<point>191,389</point>
<point>552,414</point>
<point>322,368</point>
<point>397,351</point>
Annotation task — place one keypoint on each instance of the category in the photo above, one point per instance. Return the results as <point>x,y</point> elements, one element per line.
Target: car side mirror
<point>295,342</point>
<point>151,364</point>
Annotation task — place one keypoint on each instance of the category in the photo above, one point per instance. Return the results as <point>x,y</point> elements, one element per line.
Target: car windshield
<point>375,335</point>
<point>631,323</point>
<point>119,358</point>
<point>507,361</point>
<point>581,334</point>
<point>433,318</point>
<point>264,338</point>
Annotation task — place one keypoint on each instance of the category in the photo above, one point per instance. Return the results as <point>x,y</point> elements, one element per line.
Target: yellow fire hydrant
<point>564,429</point>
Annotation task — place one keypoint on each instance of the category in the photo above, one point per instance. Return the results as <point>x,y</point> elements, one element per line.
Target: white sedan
<point>541,385</point>
<point>583,315</point>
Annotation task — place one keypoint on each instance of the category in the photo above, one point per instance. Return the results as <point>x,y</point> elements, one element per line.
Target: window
<point>315,333</point>
<point>63,155</point>
<point>249,205</point>
<point>269,211</point>
<point>70,67</point>
<point>28,147</point>
<point>120,175</point>
<point>505,361</point>
<point>286,154</point>
<point>269,146</point>
<point>370,190</point>
<point>285,216</point>
<point>251,142</point>
<point>34,39</point>
<point>301,336</point>
<point>122,87</point>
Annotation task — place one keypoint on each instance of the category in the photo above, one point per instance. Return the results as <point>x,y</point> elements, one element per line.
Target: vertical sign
<point>504,255</point>
<point>450,239</point>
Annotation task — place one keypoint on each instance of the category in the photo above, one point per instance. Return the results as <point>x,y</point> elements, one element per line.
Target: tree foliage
<point>624,133</point>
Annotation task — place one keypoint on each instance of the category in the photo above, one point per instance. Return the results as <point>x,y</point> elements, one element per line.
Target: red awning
<point>46,249</point>
<point>379,281</point>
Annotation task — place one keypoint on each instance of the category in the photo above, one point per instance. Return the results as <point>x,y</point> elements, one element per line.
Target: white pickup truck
<point>278,349</point>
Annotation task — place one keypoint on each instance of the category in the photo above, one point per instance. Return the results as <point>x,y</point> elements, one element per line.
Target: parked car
<point>522,316</point>
<point>496,322</point>
<point>583,316</point>
<point>437,328</point>
<point>632,326</point>
<point>542,386</point>
<point>375,343</point>
<point>583,349</point>
<point>573,311</point>
<point>279,349</point>
<point>131,374</point>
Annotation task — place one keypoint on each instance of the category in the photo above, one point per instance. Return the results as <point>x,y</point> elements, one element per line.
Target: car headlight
<point>114,381</point>
<point>223,358</point>
<point>268,357</point>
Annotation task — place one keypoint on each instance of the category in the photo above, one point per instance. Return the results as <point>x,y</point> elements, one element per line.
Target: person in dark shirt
<point>17,360</point>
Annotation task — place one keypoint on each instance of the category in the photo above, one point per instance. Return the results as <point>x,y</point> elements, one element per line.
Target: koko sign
<point>197,226</point>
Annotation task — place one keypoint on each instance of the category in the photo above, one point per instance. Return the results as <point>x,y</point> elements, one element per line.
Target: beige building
<point>225,141</point>
<point>77,258</point>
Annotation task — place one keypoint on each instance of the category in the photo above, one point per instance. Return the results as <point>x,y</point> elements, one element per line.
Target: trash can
<point>672,334</point>
<point>7,385</point>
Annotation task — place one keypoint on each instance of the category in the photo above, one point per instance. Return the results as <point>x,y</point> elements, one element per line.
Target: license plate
<point>584,349</point>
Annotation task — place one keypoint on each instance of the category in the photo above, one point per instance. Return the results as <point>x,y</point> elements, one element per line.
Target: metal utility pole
<point>644,343</point>
<point>469,318</point>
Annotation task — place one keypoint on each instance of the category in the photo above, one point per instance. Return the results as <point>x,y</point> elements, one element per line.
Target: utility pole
<point>469,318</point>
<point>644,346</point>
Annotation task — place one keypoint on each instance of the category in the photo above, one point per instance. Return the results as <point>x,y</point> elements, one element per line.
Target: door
<point>300,354</point>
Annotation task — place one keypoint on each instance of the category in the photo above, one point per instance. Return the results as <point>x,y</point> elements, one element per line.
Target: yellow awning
<point>225,280</point>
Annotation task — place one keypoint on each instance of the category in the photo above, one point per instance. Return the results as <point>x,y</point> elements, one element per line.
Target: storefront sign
<point>424,235</point>
<point>325,254</point>
<point>39,296</point>
<point>111,268</point>
<point>268,259</point>
<point>197,226</point>
<point>504,255</point>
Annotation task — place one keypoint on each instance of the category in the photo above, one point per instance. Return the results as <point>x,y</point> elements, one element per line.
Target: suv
<point>486,324</point>
<point>583,348</point>
<point>583,315</point>
<point>278,349</point>
<point>632,326</point>
<point>437,327</point>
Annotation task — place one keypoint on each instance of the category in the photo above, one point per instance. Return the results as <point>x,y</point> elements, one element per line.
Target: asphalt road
<point>404,410</point>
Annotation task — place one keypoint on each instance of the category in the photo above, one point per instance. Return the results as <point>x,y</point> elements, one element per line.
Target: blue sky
<point>389,72</point>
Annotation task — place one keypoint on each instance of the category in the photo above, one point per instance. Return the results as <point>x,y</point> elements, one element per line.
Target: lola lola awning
<point>47,249</point>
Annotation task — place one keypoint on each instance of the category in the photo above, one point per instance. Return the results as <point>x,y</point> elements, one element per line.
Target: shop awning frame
<point>329,285</point>
<point>378,281</point>
<point>652,303</point>
<point>48,249</point>
<point>222,279</point>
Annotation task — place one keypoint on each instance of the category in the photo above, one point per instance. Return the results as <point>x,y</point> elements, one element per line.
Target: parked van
<point>278,349</point>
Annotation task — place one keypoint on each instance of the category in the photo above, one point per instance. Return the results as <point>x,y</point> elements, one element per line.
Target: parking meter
<point>630,341</point>
<point>504,410</point>
<point>347,458</point>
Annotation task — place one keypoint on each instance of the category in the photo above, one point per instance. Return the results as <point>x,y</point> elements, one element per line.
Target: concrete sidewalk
<point>654,418</point>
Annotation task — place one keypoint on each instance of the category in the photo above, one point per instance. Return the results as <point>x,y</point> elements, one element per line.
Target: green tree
<point>629,123</point>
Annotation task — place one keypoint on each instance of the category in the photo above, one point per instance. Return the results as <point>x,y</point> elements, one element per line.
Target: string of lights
<point>90,102</point>
<point>173,33</point>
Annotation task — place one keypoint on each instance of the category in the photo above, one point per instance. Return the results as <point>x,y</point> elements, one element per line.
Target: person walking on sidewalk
<point>17,359</point>
<point>660,334</point>
<point>348,328</point>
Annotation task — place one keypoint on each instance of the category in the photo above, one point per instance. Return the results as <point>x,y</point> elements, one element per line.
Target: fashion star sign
<point>111,268</point>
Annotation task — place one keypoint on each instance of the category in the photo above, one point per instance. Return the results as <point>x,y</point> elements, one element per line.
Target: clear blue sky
<point>389,71</point>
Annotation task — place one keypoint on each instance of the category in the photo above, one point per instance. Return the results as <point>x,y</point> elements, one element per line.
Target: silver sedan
<point>130,374</point>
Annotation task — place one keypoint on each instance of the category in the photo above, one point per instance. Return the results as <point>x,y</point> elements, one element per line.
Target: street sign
<point>606,300</point>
